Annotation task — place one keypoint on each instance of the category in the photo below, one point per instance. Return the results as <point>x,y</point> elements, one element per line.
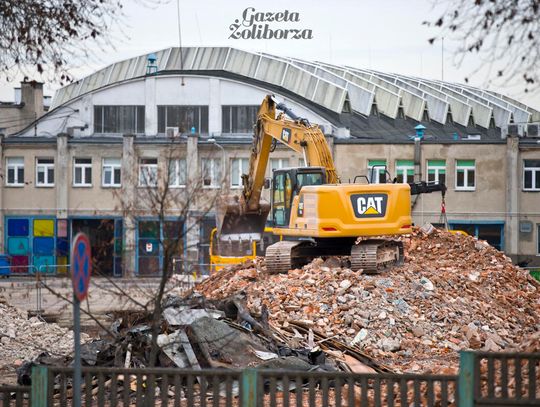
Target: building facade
<point>182,120</point>
<point>29,104</point>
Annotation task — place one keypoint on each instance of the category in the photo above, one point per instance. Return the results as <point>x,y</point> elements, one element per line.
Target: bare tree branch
<point>505,34</point>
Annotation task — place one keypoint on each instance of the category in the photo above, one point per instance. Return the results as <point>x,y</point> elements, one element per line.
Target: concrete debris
<point>177,317</point>
<point>427,284</point>
<point>453,292</point>
<point>196,333</point>
<point>23,338</point>
<point>265,355</point>
<point>360,336</point>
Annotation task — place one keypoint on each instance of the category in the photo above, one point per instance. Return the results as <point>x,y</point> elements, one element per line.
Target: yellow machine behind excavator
<point>316,214</point>
<point>223,254</point>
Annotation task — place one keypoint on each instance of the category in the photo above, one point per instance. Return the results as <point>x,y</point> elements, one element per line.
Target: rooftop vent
<point>151,67</point>
<point>533,130</point>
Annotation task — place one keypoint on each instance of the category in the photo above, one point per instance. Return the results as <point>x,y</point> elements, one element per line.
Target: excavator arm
<point>243,217</point>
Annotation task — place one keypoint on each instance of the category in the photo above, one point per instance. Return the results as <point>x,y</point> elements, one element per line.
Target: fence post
<point>466,379</point>
<point>249,388</point>
<point>38,393</point>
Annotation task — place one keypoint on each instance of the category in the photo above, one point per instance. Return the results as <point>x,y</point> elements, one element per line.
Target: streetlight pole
<point>214,142</point>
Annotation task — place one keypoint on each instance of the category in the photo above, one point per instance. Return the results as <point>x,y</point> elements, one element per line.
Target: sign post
<point>81,260</point>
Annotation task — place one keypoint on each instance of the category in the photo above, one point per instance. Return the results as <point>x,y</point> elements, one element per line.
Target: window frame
<point>437,169</point>
<point>16,167</point>
<point>466,169</point>
<point>99,112</point>
<point>214,183</point>
<point>405,168</point>
<point>46,166</point>
<point>241,171</point>
<point>229,111</point>
<point>280,162</point>
<point>535,176</point>
<point>113,168</point>
<point>203,118</point>
<point>149,166</point>
<point>178,167</point>
<point>82,167</point>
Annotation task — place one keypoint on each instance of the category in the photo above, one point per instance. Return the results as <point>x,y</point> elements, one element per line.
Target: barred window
<point>238,119</point>
<point>183,118</point>
<point>119,119</point>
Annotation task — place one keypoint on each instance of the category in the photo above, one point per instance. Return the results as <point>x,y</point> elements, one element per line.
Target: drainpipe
<point>420,129</point>
<point>417,159</point>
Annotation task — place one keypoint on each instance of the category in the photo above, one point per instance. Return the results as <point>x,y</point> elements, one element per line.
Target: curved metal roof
<point>336,88</point>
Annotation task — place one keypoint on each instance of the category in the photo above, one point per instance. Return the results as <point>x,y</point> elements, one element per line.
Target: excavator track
<point>279,256</point>
<point>374,256</point>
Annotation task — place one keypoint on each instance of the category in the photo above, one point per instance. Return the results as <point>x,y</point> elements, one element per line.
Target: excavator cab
<point>286,184</point>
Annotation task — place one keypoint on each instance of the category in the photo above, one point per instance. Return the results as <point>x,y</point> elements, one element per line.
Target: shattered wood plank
<point>184,340</point>
<point>338,345</point>
<point>190,353</point>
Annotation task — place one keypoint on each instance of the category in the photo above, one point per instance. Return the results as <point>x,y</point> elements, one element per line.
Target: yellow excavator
<point>316,214</point>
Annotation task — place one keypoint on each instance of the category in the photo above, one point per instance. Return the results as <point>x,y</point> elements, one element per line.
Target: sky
<point>384,35</point>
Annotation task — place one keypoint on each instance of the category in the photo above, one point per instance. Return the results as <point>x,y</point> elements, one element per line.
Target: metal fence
<point>251,387</point>
<point>146,387</point>
<point>507,379</point>
<point>485,379</point>
<point>16,396</point>
<point>284,389</point>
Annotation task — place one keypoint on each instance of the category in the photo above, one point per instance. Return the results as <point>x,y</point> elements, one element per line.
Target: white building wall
<point>194,91</point>
<point>128,93</point>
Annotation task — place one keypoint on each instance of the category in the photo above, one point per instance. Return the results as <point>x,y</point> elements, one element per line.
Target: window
<point>111,172</point>
<point>465,175</point>
<point>15,171</point>
<point>148,172</point>
<point>45,172</point>
<point>278,163</point>
<point>405,171</point>
<point>281,200</point>
<point>183,118</point>
<point>119,119</point>
<point>377,171</point>
<point>82,172</point>
<point>436,171</point>
<point>148,247</point>
<point>211,171</point>
<point>238,119</point>
<point>239,166</point>
<point>177,172</point>
<point>531,175</point>
<point>490,231</point>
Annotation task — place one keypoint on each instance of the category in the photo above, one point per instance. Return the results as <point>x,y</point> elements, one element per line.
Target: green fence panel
<point>466,379</point>
<point>39,386</point>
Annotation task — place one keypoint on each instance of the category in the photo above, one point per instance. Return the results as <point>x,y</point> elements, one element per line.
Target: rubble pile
<point>453,292</point>
<point>22,338</point>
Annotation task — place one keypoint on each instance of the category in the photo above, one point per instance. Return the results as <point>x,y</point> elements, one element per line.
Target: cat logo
<point>286,135</point>
<point>369,205</point>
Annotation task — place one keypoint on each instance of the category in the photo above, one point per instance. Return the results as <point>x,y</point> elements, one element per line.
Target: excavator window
<point>278,199</point>
<point>313,178</point>
<point>287,184</point>
<point>282,197</point>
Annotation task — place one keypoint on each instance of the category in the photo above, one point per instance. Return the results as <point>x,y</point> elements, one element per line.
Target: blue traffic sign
<point>81,265</point>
